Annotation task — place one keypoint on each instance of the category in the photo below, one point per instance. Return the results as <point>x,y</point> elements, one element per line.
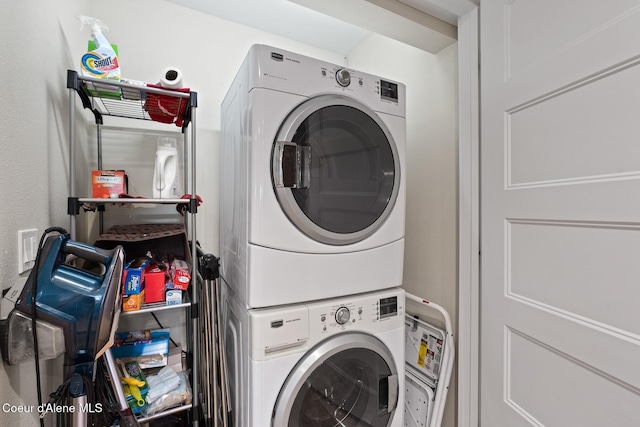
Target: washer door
<point>335,169</point>
<point>349,380</point>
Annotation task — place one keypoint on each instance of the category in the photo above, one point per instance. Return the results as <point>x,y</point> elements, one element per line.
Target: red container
<point>155,284</point>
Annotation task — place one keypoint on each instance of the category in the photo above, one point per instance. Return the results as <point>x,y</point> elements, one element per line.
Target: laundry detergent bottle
<point>165,176</point>
<point>101,60</point>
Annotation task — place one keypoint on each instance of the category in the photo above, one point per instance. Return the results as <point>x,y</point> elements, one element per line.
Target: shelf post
<point>72,158</point>
<point>194,276</point>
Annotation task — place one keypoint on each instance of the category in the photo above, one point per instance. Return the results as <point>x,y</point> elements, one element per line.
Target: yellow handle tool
<point>135,392</point>
<point>133,381</point>
<point>134,384</point>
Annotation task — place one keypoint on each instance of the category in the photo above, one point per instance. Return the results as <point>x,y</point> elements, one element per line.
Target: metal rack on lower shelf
<point>155,307</point>
<point>187,355</point>
<point>161,414</point>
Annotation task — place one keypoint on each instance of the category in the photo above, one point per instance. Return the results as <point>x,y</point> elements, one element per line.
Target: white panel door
<point>560,197</point>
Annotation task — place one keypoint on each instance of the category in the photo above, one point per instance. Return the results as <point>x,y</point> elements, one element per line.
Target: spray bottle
<point>101,60</point>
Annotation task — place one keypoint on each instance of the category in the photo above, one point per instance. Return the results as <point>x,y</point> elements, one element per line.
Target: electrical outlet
<point>27,249</point>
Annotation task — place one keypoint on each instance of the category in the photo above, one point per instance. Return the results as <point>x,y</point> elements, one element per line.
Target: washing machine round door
<point>335,169</point>
<point>348,380</point>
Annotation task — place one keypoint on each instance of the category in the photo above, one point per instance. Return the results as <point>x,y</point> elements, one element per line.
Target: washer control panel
<point>371,312</point>
<point>276,331</point>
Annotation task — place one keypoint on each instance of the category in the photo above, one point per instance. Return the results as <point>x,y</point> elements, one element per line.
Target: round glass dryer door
<point>348,381</point>
<point>335,169</point>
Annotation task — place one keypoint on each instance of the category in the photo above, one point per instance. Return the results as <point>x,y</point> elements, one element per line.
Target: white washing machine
<point>337,362</point>
<point>312,196</point>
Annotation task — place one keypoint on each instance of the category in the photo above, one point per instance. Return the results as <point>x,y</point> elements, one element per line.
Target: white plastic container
<point>165,175</point>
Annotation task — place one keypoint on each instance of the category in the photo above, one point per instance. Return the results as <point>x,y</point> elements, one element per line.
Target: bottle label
<point>100,66</point>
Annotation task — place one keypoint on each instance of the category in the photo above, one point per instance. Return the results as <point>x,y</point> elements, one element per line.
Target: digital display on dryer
<point>388,307</point>
<point>388,91</point>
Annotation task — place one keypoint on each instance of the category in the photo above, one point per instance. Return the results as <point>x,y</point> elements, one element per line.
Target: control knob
<point>343,77</point>
<point>342,315</point>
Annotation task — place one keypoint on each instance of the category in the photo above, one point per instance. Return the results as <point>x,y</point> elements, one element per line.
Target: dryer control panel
<point>294,73</point>
<point>356,82</point>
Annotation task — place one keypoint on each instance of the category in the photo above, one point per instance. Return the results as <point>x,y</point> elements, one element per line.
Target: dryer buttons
<point>343,77</point>
<point>342,315</point>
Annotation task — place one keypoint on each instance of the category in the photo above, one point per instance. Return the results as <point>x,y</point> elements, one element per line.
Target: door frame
<point>468,385</point>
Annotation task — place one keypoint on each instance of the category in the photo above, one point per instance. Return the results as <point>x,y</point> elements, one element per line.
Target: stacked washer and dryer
<point>312,208</point>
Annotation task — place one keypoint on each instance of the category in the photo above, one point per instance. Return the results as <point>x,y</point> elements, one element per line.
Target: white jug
<point>165,182</point>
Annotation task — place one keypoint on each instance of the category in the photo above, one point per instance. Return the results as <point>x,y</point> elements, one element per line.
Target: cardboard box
<point>108,184</point>
<point>150,348</point>
<point>180,276</point>
<point>133,302</point>
<point>155,282</point>
<point>174,297</point>
<point>133,277</point>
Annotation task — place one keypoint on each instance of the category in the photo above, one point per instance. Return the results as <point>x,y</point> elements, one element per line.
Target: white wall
<point>35,56</point>
<point>430,268</point>
<point>152,34</point>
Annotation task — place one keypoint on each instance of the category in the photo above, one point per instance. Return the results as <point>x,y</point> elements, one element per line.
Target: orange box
<point>133,302</point>
<point>108,184</point>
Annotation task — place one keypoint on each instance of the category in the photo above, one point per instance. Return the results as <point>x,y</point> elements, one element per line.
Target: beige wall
<point>42,40</point>
<point>430,268</point>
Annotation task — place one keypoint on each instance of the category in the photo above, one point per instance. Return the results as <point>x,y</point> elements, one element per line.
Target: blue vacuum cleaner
<point>76,289</point>
<point>72,300</point>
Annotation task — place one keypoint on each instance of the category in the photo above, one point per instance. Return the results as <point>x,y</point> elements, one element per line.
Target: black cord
<point>34,333</point>
<point>105,395</point>
<point>162,327</point>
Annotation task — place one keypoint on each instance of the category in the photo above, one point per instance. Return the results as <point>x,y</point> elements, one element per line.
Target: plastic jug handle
<point>88,253</point>
<point>161,163</point>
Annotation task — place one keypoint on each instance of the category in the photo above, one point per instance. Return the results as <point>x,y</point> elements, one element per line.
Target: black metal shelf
<point>171,107</point>
<point>133,101</point>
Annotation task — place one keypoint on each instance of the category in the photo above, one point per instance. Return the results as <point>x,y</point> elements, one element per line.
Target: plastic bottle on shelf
<point>101,60</point>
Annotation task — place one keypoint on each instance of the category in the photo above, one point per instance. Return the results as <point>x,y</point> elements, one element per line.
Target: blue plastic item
<point>78,290</point>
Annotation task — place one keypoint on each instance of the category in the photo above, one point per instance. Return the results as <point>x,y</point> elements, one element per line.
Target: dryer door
<point>348,380</point>
<point>335,169</point>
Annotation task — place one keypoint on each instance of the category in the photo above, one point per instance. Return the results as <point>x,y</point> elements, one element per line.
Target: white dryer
<point>312,196</point>
<point>337,362</point>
